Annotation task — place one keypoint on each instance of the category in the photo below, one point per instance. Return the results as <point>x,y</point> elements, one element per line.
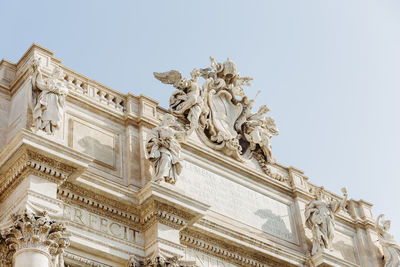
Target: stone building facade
<point>93,177</point>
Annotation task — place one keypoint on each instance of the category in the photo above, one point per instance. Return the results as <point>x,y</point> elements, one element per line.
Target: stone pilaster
<point>32,240</point>
<point>165,212</point>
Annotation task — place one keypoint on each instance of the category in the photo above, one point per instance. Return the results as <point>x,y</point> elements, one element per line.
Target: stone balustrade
<point>79,85</point>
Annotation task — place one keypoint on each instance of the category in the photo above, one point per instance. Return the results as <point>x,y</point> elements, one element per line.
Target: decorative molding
<point>274,248</point>
<point>28,153</point>
<point>29,162</point>
<point>74,194</point>
<point>227,251</point>
<point>81,260</point>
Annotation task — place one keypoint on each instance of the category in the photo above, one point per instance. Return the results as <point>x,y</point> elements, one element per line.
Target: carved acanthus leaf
<point>38,231</point>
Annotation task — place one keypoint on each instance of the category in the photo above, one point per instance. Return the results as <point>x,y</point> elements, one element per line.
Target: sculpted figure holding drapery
<point>163,150</point>
<point>49,104</point>
<point>320,218</point>
<point>391,250</point>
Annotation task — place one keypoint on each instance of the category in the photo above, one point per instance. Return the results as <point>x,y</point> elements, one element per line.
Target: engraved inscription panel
<point>238,202</point>
<point>97,143</point>
<point>101,224</point>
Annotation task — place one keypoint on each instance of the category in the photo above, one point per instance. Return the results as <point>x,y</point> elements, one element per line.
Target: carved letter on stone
<point>49,104</point>
<point>391,250</point>
<point>320,218</point>
<point>33,231</point>
<point>220,112</point>
<point>163,150</point>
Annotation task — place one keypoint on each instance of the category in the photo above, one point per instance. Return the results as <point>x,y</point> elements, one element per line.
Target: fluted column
<point>33,240</point>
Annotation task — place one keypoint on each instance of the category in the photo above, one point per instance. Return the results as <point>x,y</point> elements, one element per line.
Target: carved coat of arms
<point>220,112</point>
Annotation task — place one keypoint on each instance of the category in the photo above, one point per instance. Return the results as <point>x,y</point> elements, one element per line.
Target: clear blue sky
<point>328,70</point>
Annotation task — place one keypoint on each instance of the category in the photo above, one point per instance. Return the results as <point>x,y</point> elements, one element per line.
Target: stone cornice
<point>164,204</point>
<point>227,251</point>
<point>158,203</point>
<point>83,261</point>
<point>99,204</point>
<point>270,247</point>
<point>328,260</point>
<point>29,153</point>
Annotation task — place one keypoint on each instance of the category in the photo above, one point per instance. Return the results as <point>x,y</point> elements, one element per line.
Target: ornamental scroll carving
<point>320,218</point>
<point>221,113</point>
<point>32,231</point>
<point>48,98</point>
<point>390,248</point>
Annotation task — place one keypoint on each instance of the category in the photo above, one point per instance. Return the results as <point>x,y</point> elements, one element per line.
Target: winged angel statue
<point>220,112</point>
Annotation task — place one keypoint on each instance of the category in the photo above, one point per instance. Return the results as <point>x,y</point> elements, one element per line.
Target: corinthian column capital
<point>32,232</point>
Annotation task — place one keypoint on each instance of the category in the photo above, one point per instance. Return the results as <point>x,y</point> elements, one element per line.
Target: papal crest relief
<point>220,112</point>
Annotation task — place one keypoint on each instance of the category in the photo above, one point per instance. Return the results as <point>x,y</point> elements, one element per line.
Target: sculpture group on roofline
<point>221,115</point>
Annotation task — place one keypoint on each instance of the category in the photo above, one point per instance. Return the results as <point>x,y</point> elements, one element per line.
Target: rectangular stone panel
<point>94,141</point>
<point>346,246</point>
<point>238,202</point>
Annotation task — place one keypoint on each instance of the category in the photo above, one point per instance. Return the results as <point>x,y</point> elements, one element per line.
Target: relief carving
<point>160,260</point>
<point>220,113</point>
<point>48,99</point>
<point>33,231</point>
<point>320,218</point>
<point>163,150</point>
<point>391,250</point>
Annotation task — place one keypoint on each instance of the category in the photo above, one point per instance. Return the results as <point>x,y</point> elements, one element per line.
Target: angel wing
<point>169,77</point>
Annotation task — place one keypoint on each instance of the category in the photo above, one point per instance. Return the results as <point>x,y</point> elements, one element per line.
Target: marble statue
<point>320,218</point>
<point>187,99</point>
<point>258,130</point>
<point>163,149</point>
<point>220,112</point>
<point>50,101</point>
<point>391,250</point>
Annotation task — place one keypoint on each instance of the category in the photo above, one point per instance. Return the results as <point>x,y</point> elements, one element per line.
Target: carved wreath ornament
<point>219,112</point>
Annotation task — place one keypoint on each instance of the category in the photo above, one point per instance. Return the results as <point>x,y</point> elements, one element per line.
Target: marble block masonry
<point>93,177</point>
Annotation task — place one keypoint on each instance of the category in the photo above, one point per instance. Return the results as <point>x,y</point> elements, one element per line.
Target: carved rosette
<point>34,231</point>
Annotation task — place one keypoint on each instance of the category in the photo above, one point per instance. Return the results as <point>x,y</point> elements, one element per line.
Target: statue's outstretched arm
<point>343,202</point>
